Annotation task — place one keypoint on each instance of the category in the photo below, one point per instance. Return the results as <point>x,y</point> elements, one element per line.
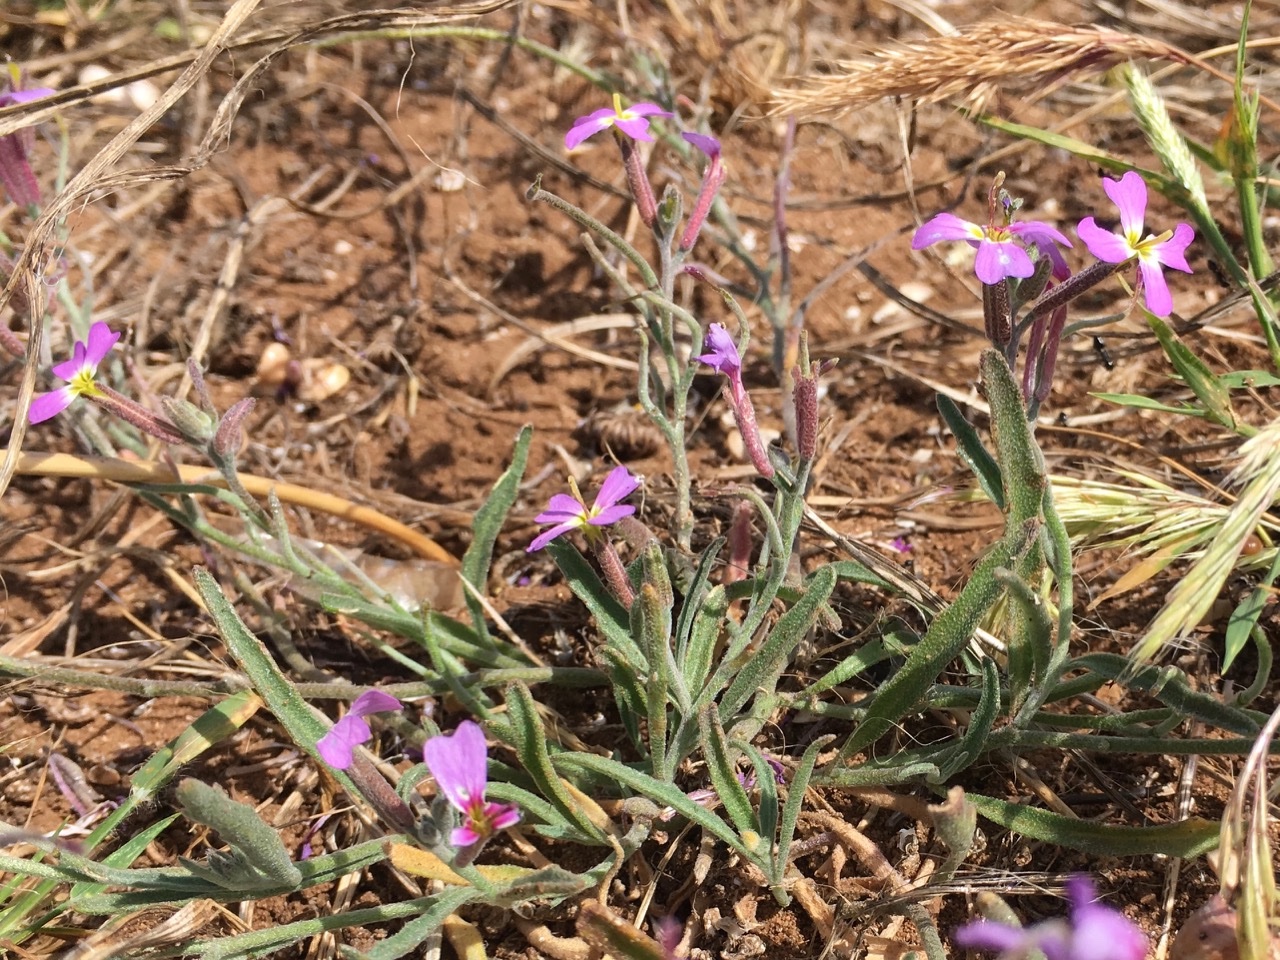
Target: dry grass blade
<point>1189,601</point>
<point>971,66</point>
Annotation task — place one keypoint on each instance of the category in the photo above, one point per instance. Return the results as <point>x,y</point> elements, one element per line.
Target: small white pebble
<point>450,180</point>
<point>342,248</point>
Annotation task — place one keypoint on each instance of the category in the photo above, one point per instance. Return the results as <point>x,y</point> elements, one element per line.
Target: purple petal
<point>1039,233</point>
<point>987,935</point>
<point>502,815</point>
<point>25,96</point>
<point>722,351</point>
<point>464,836</point>
<point>337,747</point>
<point>1155,289</point>
<point>560,508</point>
<point>648,110</point>
<point>542,539</point>
<point>1103,244</point>
<point>1173,252</point>
<point>1100,932</point>
<point>612,514</point>
<point>101,339</point>
<point>637,128</point>
<point>374,701</point>
<point>708,145</point>
<point>618,484</point>
<point>589,126</point>
<point>1080,890</point>
<point>460,764</point>
<point>945,226</point>
<point>1129,194</point>
<point>998,259</point>
<point>45,406</point>
<point>67,369</point>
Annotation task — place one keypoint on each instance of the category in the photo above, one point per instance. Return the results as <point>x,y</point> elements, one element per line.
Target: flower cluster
<point>1002,251</point>
<point>458,761</point>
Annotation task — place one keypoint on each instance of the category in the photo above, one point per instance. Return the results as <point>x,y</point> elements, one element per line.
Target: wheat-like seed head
<point>969,66</point>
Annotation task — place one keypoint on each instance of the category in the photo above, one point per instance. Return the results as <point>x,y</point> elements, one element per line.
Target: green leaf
<point>1245,616</point>
<point>664,794</point>
<point>703,635</point>
<point>487,524</point>
<point>240,826</point>
<point>1186,838</point>
<point>1195,373</point>
<point>694,597</point>
<point>795,800</point>
<point>303,724</point>
<point>972,452</point>
<point>1146,403</point>
<point>610,616</point>
<point>762,670</point>
<point>974,741</point>
<point>529,738</point>
<point>722,769</point>
<point>410,936</point>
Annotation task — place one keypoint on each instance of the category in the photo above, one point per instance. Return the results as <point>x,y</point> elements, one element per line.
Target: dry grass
<point>1009,55</point>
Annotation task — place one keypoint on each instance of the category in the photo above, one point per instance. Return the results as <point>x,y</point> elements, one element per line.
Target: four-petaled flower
<point>632,121</point>
<point>460,764</point>
<point>1000,248</point>
<point>79,372</point>
<point>1093,932</point>
<point>571,513</point>
<point>15,169</point>
<point>1129,194</point>
<point>337,747</point>
<point>722,354</point>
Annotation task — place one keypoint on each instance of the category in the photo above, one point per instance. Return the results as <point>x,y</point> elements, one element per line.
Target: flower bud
<point>196,425</point>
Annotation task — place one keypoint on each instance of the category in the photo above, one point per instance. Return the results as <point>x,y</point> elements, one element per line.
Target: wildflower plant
<point>703,664</point>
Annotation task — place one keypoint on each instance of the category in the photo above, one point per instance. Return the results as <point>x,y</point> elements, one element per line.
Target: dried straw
<point>971,65</point>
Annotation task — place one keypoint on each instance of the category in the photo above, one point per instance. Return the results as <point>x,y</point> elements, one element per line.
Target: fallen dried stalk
<point>127,471</point>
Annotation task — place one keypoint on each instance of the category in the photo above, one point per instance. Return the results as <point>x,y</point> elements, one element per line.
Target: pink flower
<point>15,169</point>
<point>79,372</point>
<point>460,764</point>
<point>1001,250</point>
<point>723,355</point>
<point>633,121</point>
<point>1129,194</point>
<point>1093,932</point>
<point>571,513</point>
<point>337,747</point>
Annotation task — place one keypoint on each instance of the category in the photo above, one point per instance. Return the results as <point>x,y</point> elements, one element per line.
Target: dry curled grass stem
<point>971,65</point>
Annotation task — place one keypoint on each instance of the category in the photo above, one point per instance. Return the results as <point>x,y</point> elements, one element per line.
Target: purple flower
<point>633,121</point>
<point>1093,932</point>
<point>79,372</point>
<point>723,355</point>
<point>460,764</point>
<point>1129,194</point>
<point>15,169</point>
<point>337,747</point>
<point>1001,251</point>
<point>571,513</point>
